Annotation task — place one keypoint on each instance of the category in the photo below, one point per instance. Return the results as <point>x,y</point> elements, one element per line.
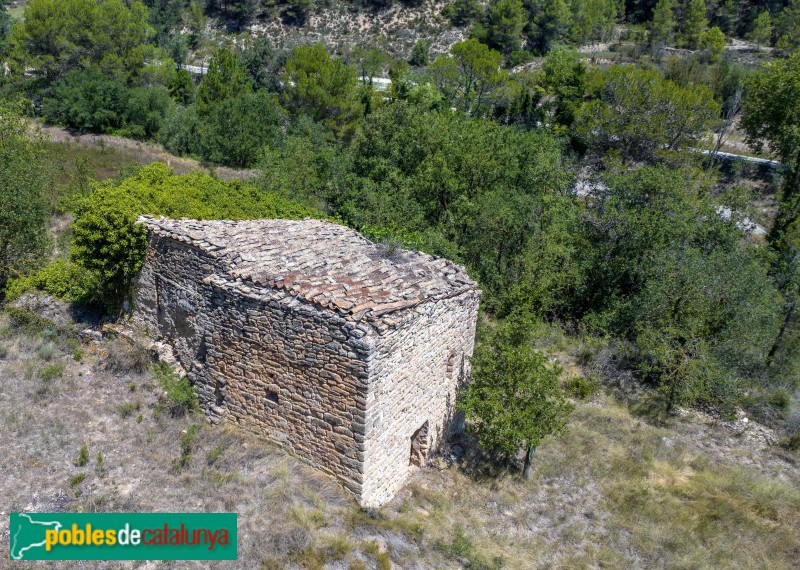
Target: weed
<point>139,418</point>
<point>128,408</point>
<point>580,387</point>
<point>792,443</point>
<point>339,547</point>
<point>126,357</point>
<point>132,387</point>
<point>461,547</point>
<point>77,480</point>
<point>214,454</point>
<point>187,446</point>
<point>83,456</point>
<point>46,351</point>
<point>77,355</point>
<point>181,397</point>
<point>51,372</point>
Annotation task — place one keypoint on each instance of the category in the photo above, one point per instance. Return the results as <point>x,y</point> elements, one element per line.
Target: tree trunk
<point>528,469</point>
<point>778,340</point>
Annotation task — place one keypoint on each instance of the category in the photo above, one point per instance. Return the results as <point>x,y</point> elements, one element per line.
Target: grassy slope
<point>613,491</point>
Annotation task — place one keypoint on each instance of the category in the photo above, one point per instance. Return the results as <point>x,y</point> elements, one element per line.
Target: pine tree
<point>694,22</point>
<point>762,29</point>
<point>662,27</point>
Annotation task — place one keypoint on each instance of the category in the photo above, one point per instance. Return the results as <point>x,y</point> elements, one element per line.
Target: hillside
<point>614,491</point>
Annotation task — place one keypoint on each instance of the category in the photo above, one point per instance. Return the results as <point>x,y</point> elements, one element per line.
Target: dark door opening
<point>419,446</point>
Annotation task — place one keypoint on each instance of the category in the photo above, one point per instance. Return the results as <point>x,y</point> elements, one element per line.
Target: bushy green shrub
<point>61,278</point>
<point>109,242</point>
<point>580,387</point>
<point>181,397</point>
<point>88,100</point>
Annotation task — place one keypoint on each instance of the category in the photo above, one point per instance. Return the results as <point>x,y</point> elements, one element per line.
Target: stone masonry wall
<point>418,368</point>
<point>276,365</point>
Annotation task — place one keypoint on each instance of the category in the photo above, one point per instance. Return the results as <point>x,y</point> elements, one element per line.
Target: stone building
<point>348,353</point>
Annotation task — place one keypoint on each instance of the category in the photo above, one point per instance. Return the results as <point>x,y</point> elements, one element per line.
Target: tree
<point>643,116</point>
<point>788,27</point>
<point>761,33</point>
<point>462,12</point>
<point>236,129</point>
<point>57,36</point>
<point>593,19</point>
<point>549,21</point>
<point>563,81</point>
<point>770,114</point>
<point>514,399</point>
<point>25,183</point>
<point>662,27</point>
<point>505,20</point>
<point>322,88</point>
<point>419,53</point>
<point>226,78</point>
<point>694,22</point>
<point>297,11</point>
<point>469,75</point>
<point>712,42</point>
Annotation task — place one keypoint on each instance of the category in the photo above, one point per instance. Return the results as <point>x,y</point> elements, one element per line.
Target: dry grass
<point>612,492</point>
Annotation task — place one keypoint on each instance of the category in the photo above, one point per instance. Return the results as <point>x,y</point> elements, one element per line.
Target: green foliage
<point>469,188</point>
<point>462,12</point>
<point>88,100</point>
<point>675,278</point>
<point>694,22</point>
<point>643,116</point>
<point>469,75</point>
<point>593,20</point>
<point>56,36</point>
<point>83,456</point>
<point>462,548</point>
<point>549,21</point>
<point>60,278</point>
<point>226,79</point>
<point>322,88</point>
<point>51,371</point>
<point>662,27</point>
<point>77,480</point>
<point>187,447</point>
<point>181,397</point>
<point>419,53</point>
<point>26,180</point>
<point>514,399</point>
<point>503,28</point>
<point>235,130</point>
<point>712,41</point>
<point>109,242</point>
<point>788,27</point>
<point>581,387</point>
<point>761,34</point>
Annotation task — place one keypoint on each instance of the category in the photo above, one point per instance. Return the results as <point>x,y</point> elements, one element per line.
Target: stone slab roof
<point>327,264</point>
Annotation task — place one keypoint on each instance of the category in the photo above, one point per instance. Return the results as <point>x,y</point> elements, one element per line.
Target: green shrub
<point>128,408</point>
<point>83,456</point>
<point>187,446</point>
<point>792,442</point>
<point>580,387</point>
<point>181,396</point>
<point>77,480</point>
<point>51,372</point>
<point>61,278</point>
